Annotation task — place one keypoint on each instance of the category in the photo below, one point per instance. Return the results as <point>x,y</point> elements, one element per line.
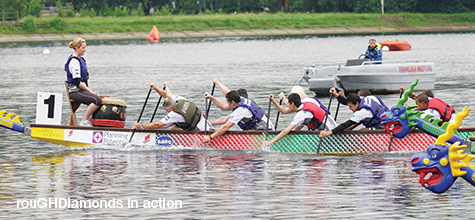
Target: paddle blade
<point>7,121</point>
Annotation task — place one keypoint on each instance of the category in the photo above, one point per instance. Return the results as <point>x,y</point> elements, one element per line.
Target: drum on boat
<point>110,114</point>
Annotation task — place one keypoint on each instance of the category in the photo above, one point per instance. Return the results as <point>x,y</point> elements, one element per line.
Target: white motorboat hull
<point>387,77</point>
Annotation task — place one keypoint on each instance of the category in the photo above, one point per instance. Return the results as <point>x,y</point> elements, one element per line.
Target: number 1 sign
<point>49,108</point>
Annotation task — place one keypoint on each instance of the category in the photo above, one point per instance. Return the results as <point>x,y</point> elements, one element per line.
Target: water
<point>214,183</point>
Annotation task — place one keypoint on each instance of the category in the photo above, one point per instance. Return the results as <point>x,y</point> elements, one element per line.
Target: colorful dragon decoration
<point>11,123</point>
<point>440,165</point>
<point>401,119</point>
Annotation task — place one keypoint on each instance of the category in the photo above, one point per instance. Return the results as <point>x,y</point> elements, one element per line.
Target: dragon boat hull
<point>298,142</point>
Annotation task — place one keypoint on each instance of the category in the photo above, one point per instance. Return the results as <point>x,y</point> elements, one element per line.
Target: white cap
<point>297,89</point>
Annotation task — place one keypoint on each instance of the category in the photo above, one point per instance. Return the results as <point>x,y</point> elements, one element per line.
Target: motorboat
<point>395,45</point>
<point>379,77</point>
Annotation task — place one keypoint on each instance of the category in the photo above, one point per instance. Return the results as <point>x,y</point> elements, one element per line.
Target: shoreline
<point>13,38</point>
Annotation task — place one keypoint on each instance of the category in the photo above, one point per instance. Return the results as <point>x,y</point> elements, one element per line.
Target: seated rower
<point>366,111</point>
<point>182,114</point>
<point>246,114</point>
<point>224,89</point>
<point>432,106</point>
<point>304,98</point>
<point>435,107</point>
<point>309,114</point>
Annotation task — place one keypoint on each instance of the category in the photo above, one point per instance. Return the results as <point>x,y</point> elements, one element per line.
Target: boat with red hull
<point>396,45</point>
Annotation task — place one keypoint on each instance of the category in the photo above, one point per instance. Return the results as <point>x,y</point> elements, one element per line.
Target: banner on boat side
<point>415,68</point>
<point>112,138</point>
<point>47,133</point>
<point>79,137</point>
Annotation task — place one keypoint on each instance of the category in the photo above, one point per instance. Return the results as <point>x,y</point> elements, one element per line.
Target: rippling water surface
<point>213,183</point>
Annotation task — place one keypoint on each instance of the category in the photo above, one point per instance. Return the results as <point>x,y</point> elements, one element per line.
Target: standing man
<point>182,114</point>
<point>366,111</point>
<point>246,114</point>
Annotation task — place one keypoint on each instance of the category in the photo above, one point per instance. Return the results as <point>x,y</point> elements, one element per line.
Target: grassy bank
<point>230,22</point>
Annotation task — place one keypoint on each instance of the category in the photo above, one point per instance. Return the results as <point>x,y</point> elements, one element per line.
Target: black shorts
<point>86,97</point>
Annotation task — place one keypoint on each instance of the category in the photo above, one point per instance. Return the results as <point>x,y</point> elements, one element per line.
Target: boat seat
<point>355,62</point>
<point>73,106</point>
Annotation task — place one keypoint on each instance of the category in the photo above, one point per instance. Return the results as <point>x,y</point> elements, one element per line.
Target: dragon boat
<point>399,122</point>
<point>296,142</point>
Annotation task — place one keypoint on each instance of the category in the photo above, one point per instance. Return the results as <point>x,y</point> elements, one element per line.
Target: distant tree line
<point>70,8</point>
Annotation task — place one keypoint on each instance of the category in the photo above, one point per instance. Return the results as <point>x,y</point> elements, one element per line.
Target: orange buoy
<point>154,35</point>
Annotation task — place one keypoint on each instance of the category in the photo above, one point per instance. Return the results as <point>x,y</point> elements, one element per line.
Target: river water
<point>201,184</point>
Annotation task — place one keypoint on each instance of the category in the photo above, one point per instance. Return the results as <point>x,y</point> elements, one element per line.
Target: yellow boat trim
<point>63,142</point>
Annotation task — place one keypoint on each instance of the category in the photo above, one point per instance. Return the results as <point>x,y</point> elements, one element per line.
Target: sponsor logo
<point>164,141</point>
<point>147,139</point>
<point>97,137</point>
<point>70,133</point>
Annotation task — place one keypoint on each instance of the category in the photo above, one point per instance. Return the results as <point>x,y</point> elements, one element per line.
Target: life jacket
<point>190,112</point>
<point>375,108</point>
<point>321,105</point>
<point>82,63</point>
<point>444,109</point>
<point>318,114</point>
<point>380,101</point>
<point>379,53</point>
<point>257,114</point>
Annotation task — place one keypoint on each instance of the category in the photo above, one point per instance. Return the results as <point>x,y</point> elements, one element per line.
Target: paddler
<point>309,113</point>
<point>366,111</point>
<point>182,113</point>
<point>224,89</point>
<point>246,114</point>
<point>430,105</point>
<point>304,98</point>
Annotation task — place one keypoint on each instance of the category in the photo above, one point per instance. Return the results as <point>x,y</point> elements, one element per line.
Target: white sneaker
<point>85,123</point>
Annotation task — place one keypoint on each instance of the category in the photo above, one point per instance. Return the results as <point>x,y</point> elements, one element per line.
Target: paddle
<point>337,107</point>
<point>156,107</point>
<point>268,119</point>
<point>140,116</point>
<point>207,109</point>
<point>324,124</point>
<point>392,137</point>
<point>278,113</point>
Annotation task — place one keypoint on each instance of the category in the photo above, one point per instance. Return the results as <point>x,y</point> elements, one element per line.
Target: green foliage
<point>70,11</point>
<point>234,21</point>
<point>35,7</point>
<point>165,10</point>
<point>121,11</point>
<point>139,10</point>
<point>86,12</point>
<point>29,25</point>
<point>108,12</point>
<point>63,12</point>
<point>57,23</point>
